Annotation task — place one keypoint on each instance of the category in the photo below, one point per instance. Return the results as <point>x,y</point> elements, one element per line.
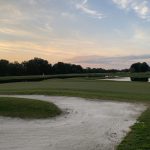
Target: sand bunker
<point>87,125</point>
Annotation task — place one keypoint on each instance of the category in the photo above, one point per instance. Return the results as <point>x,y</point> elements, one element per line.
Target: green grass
<point>94,88</point>
<point>11,79</point>
<point>83,87</point>
<point>26,108</point>
<point>30,78</point>
<point>139,137</point>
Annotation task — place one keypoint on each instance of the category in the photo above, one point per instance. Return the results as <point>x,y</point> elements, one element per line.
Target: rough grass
<point>139,137</point>
<point>26,108</point>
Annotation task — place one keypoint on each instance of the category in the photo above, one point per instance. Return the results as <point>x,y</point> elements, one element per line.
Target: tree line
<point>38,66</point>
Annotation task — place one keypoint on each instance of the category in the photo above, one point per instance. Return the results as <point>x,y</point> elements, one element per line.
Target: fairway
<point>83,87</point>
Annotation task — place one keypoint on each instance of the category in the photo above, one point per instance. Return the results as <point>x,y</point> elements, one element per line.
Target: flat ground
<point>135,92</point>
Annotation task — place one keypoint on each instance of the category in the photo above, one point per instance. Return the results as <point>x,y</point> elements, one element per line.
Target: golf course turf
<point>26,108</point>
<point>139,137</point>
<point>137,92</point>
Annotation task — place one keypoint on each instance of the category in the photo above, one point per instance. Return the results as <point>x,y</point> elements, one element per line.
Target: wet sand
<point>85,125</point>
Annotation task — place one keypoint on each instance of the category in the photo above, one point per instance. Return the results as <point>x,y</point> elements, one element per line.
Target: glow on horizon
<point>106,33</point>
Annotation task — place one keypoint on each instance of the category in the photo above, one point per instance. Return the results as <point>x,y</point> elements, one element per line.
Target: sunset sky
<point>94,33</point>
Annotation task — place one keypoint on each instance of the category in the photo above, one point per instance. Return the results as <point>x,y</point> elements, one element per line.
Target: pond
<point>120,79</point>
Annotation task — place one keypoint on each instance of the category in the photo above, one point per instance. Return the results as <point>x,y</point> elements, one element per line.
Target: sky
<point>92,33</point>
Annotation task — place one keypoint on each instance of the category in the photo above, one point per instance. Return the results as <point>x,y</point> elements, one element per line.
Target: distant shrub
<point>139,67</point>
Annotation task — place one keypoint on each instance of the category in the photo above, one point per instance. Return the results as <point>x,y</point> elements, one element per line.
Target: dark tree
<point>139,67</point>
<point>76,69</point>
<point>64,68</point>
<point>16,69</point>
<point>144,67</point>
<point>37,66</point>
<point>95,70</point>
<point>4,65</point>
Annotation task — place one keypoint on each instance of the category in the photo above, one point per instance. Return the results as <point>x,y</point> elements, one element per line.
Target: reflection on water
<point>120,79</point>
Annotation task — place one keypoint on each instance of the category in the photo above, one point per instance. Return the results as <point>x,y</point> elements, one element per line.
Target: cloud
<point>16,32</point>
<point>93,13</point>
<point>140,7</point>
<point>110,62</point>
<point>21,20</point>
<point>26,48</point>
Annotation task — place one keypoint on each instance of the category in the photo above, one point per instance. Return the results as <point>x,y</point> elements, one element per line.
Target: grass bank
<point>26,108</point>
<point>139,137</point>
<point>35,78</point>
